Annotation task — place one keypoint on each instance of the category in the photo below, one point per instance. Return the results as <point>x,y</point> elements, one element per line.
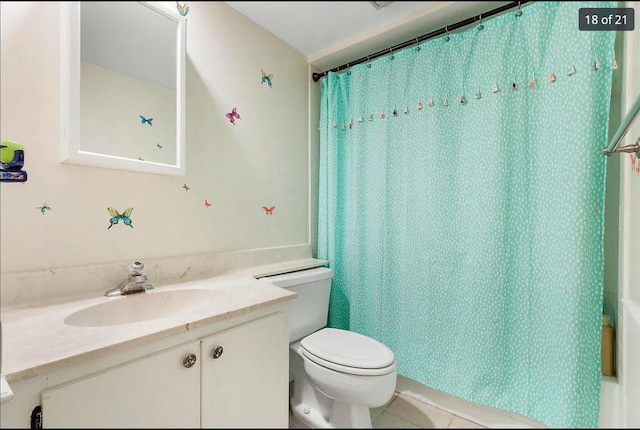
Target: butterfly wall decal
<point>182,9</point>
<point>266,78</point>
<point>159,146</point>
<point>117,216</point>
<point>147,120</point>
<point>185,187</point>
<point>268,211</point>
<point>206,203</point>
<point>233,115</point>
<point>43,208</point>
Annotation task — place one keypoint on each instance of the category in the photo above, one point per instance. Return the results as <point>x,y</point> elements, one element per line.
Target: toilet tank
<point>309,310</point>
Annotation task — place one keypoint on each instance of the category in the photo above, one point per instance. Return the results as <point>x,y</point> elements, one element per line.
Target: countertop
<point>37,340</point>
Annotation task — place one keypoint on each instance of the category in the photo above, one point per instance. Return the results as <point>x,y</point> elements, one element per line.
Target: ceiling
<point>332,33</point>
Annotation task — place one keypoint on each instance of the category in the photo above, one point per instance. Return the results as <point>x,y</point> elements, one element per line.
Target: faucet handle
<point>136,268</point>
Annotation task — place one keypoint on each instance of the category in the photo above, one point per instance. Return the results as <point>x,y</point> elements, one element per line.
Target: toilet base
<point>342,416</point>
<point>314,409</point>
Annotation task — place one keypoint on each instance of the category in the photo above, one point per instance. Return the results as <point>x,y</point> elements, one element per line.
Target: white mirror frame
<point>70,151</point>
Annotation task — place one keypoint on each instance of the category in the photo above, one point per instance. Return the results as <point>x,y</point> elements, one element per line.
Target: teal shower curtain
<point>461,208</point>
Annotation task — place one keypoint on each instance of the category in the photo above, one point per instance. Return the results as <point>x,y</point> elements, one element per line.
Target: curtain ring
<point>348,69</point>
<point>446,30</point>
<point>480,26</point>
<point>417,44</point>
<point>391,52</point>
<point>368,62</point>
<point>519,12</point>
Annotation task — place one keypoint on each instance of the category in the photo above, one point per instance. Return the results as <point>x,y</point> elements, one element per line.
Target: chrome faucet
<point>136,282</point>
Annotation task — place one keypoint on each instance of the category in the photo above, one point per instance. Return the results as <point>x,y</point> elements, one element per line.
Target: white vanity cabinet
<point>174,381</point>
<point>157,391</point>
<point>240,369</point>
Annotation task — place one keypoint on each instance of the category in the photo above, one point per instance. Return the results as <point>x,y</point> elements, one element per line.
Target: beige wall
<point>264,160</point>
<point>315,93</point>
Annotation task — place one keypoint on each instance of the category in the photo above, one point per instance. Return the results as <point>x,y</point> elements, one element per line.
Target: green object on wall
<point>468,236</point>
<point>7,152</point>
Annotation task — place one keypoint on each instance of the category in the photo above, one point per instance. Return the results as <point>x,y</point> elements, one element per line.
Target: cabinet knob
<point>217,352</point>
<point>189,361</point>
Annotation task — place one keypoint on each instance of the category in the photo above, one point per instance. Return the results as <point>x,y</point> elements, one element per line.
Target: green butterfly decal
<point>266,78</point>
<point>117,216</point>
<point>43,208</point>
<point>182,9</point>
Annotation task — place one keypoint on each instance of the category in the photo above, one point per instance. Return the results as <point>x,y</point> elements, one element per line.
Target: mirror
<point>123,86</point>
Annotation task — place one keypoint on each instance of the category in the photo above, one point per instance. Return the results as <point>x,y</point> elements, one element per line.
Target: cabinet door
<point>156,391</point>
<point>247,386</point>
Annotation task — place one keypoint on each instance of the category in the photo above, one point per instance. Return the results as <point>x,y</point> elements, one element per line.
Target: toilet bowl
<point>337,375</point>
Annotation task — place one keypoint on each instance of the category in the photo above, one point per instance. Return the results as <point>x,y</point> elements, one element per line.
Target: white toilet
<point>338,375</point>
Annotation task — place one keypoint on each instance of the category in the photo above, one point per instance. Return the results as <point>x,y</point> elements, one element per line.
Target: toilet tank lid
<point>299,277</point>
<point>348,348</point>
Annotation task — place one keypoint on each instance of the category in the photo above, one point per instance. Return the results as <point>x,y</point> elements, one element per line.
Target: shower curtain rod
<point>622,131</point>
<point>415,41</point>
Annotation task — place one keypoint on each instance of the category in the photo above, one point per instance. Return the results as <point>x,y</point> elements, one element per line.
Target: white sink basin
<point>144,306</point>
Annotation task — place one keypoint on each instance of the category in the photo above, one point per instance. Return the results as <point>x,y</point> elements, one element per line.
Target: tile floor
<point>405,412</point>
<point>415,406</point>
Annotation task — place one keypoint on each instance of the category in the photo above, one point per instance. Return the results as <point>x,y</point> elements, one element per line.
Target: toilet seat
<point>348,352</point>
